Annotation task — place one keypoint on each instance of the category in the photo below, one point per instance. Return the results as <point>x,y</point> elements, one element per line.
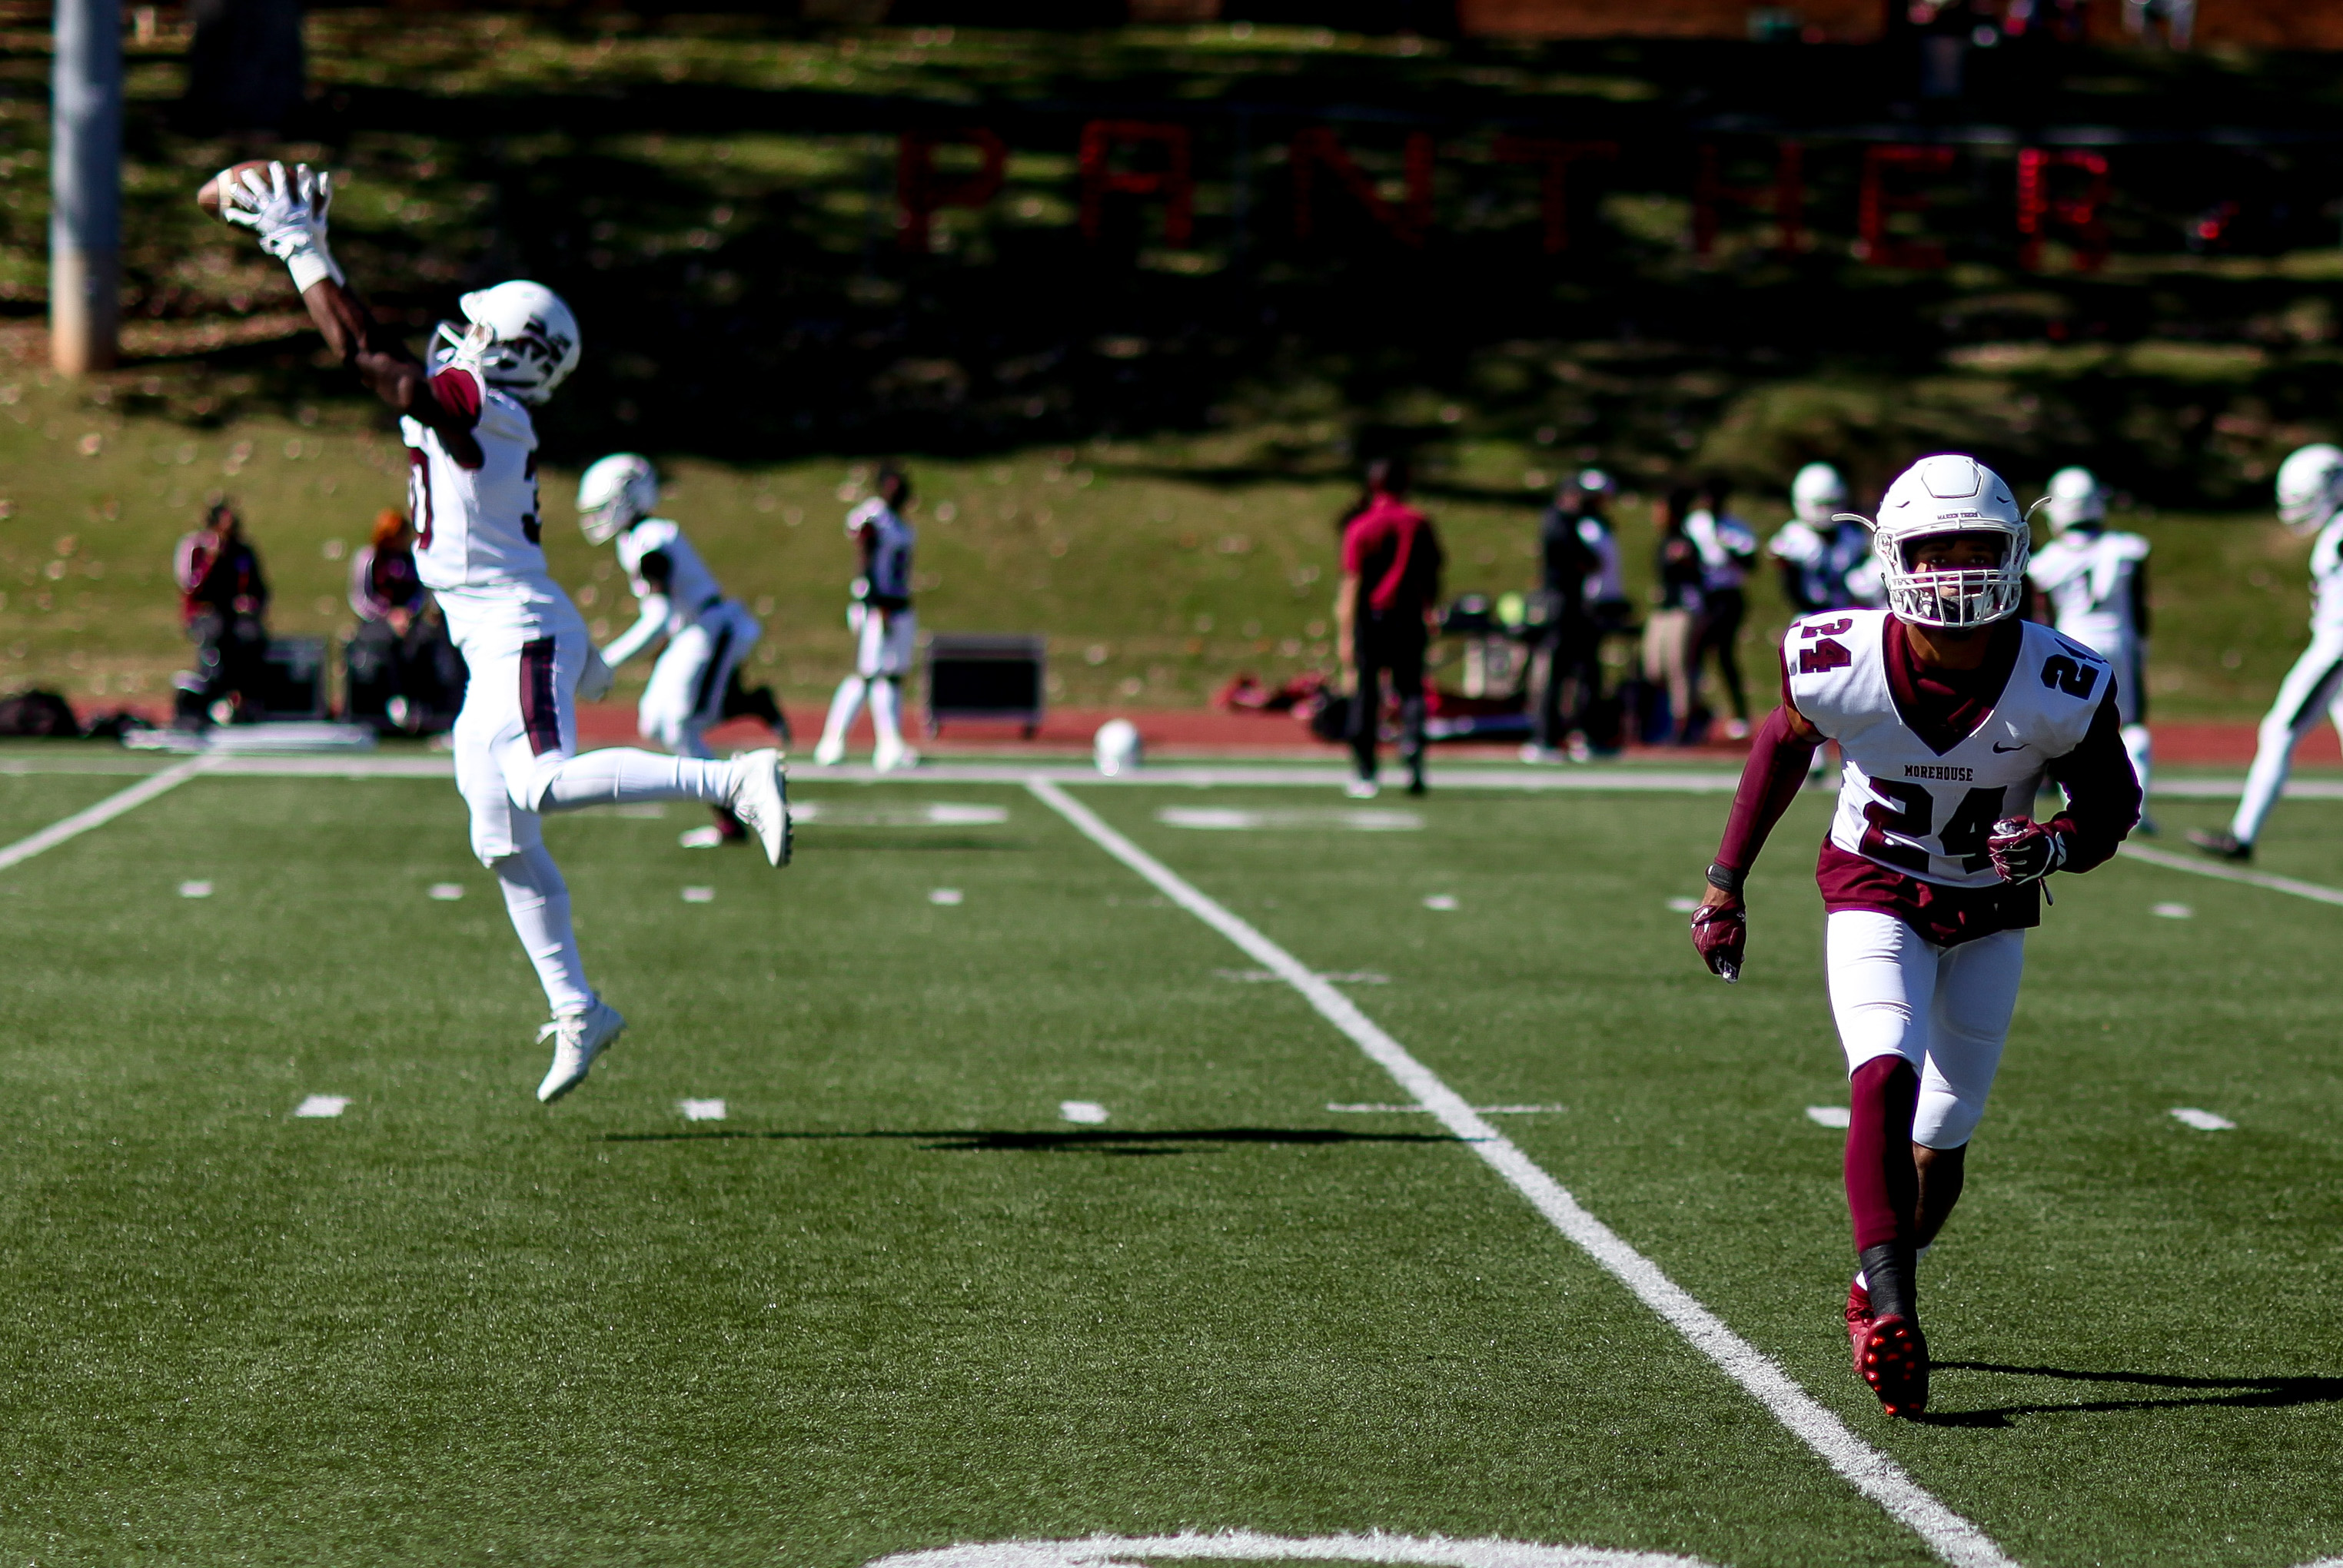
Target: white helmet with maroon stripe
<point>1950,494</point>
<point>519,334</point>
<point>2311,487</point>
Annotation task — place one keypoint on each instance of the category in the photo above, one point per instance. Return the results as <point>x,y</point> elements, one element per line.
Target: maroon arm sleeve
<point>2102,793</point>
<point>1770,780</point>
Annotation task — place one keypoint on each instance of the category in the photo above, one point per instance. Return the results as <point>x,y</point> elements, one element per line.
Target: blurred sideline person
<point>2096,581</point>
<point>472,492</point>
<point>402,667</point>
<point>1825,562</point>
<point>2309,501</point>
<point>1727,549</point>
<point>1672,631</point>
<point>884,630</point>
<point>1557,663</point>
<point>224,603</point>
<point>695,682</point>
<point>1951,711</point>
<point>1383,611</point>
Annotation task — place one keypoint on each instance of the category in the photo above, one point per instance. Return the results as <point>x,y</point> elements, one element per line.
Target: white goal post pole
<point>86,186</point>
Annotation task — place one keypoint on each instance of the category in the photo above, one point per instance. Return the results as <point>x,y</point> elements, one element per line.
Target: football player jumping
<point>2309,501</point>
<point>880,620</point>
<point>1950,711</point>
<point>472,492</point>
<point>2096,579</point>
<point>697,681</point>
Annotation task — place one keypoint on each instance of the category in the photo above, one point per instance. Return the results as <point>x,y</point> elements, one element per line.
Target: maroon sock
<point>1882,1185</point>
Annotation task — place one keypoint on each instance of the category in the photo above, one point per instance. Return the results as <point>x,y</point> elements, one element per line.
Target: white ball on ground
<point>1117,747</point>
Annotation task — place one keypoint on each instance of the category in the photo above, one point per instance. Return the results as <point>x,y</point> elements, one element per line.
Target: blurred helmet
<point>1950,495</point>
<point>2074,497</point>
<point>613,493</point>
<point>1116,748</point>
<point>521,336</point>
<point>1817,492</point>
<point>2311,487</point>
<point>1595,482</point>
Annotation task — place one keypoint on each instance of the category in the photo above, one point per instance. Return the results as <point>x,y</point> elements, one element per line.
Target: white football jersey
<point>1835,567</point>
<point>2088,579</point>
<point>2326,578</point>
<point>690,590</point>
<point>889,574</point>
<point>1903,804</point>
<point>477,527</point>
<point>1725,546</point>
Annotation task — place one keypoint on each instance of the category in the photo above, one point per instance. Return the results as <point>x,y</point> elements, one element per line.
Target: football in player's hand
<point>210,196</point>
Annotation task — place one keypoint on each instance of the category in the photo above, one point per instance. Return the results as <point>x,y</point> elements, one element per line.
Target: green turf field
<point>894,1299</point>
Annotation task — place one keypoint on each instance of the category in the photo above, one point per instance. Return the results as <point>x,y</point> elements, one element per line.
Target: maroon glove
<point>1720,932</point>
<point>2024,850</point>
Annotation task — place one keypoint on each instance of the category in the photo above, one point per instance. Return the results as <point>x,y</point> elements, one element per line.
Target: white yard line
<point>1250,1546</point>
<point>1872,1472</point>
<point>2219,872</point>
<point>99,815</point>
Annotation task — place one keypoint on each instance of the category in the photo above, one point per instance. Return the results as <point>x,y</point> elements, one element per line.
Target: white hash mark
<point>701,1109</point>
<point>323,1105</point>
<point>1684,906</point>
<point>2171,912</point>
<point>1441,901</point>
<point>195,889</point>
<point>1089,1112</point>
<point>447,892</point>
<point>944,896</point>
<point>1837,1116</point>
<point>1246,1546</point>
<point>2203,1121</point>
<point>700,895</point>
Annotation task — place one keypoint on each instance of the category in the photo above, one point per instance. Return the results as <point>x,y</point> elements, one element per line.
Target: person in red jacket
<point>1383,615</point>
<point>224,603</point>
<point>1950,712</point>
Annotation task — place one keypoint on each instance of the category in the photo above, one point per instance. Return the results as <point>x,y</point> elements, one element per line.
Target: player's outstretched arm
<point>1779,756</point>
<point>288,209</point>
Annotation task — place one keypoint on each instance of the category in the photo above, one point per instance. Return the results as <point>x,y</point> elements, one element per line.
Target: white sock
<point>538,903</point>
<point>884,698</point>
<point>619,774</point>
<point>843,707</point>
<point>2136,748</point>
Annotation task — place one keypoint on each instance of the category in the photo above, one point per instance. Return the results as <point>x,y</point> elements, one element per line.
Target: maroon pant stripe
<point>540,712</point>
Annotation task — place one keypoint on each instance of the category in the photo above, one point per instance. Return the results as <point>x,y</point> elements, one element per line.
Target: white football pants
<point>686,693</point>
<point>517,757</point>
<point>2309,690</point>
<point>1945,1010</point>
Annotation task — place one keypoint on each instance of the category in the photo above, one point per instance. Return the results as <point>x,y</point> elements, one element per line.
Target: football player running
<point>880,618</point>
<point>472,493</point>
<point>2309,501</point>
<point>2096,579</point>
<point>695,682</point>
<point>1825,555</point>
<point>1950,711</point>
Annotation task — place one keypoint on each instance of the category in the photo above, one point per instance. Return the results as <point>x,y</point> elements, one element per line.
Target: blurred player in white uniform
<point>880,620</point>
<point>1951,712</point>
<point>1726,547</point>
<point>695,683</point>
<point>472,494</point>
<point>2309,501</point>
<point>2097,582</point>
<point>1825,558</point>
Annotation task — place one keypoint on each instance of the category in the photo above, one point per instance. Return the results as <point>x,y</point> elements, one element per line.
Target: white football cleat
<point>759,798</point>
<point>1362,789</point>
<point>830,752</point>
<point>577,1038</point>
<point>889,757</point>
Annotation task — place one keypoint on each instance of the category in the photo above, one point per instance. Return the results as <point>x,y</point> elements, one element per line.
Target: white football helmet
<point>521,336</point>
<point>2311,487</point>
<point>2074,497</point>
<point>1817,492</point>
<point>1950,494</point>
<point>612,493</point>
<point>1117,748</point>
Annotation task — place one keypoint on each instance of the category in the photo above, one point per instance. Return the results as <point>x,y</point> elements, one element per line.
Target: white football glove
<point>288,208</point>
<point>595,681</point>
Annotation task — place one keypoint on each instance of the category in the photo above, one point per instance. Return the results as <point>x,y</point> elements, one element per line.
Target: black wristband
<point>1724,879</point>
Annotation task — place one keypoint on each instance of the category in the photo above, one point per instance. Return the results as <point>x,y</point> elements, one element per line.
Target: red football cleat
<point>1893,1357</point>
<point>1858,1317</point>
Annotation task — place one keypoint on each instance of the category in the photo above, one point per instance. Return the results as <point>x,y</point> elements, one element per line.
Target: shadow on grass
<point>966,1141</point>
<point>2241,1393</point>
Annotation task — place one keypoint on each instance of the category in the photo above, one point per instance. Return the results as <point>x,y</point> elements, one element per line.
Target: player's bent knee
<point>1946,1121</point>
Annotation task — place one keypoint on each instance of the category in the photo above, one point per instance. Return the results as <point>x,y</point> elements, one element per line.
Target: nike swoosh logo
<point>1998,745</point>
